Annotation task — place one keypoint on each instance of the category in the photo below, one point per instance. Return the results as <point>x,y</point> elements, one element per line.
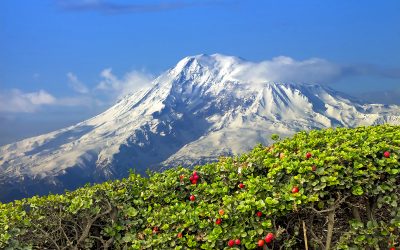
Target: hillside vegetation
<point>326,189</point>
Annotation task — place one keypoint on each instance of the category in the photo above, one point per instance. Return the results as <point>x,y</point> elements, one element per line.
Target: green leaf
<point>357,190</point>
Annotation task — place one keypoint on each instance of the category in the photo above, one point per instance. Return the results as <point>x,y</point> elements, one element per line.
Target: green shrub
<point>329,189</point>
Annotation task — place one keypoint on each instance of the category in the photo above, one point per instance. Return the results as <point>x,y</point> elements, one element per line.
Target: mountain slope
<point>192,113</point>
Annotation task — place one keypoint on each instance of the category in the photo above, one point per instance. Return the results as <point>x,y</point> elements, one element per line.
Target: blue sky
<point>54,54</point>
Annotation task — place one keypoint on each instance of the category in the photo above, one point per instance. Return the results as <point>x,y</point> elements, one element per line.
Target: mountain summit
<point>204,107</point>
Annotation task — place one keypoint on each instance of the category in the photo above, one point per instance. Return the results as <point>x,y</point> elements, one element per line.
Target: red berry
<point>180,235</point>
<point>194,182</point>
<point>308,155</point>
<point>237,242</point>
<point>231,243</point>
<point>295,190</point>
<point>269,237</point>
<point>181,177</point>
<point>314,168</point>
<point>218,221</point>
<point>192,198</point>
<point>392,248</point>
<point>221,212</point>
<point>241,185</point>
<point>259,213</point>
<point>191,178</point>
<point>386,154</point>
<point>194,173</point>
<point>195,177</point>
<point>260,243</point>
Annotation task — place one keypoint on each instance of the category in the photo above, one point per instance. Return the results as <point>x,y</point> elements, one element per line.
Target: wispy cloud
<point>17,101</point>
<point>129,83</point>
<point>77,85</point>
<point>313,70</point>
<point>286,69</point>
<point>111,87</point>
<point>106,92</point>
<point>113,7</point>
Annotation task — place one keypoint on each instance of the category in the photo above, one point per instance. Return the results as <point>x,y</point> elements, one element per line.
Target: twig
<point>48,237</point>
<point>305,235</point>
<point>69,243</point>
<point>90,222</point>
<point>333,208</point>
<point>315,237</point>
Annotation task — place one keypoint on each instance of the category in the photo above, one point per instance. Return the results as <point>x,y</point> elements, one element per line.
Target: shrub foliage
<point>325,189</point>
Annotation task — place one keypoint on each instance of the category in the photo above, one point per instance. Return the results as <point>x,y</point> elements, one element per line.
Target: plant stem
<point>305,235</point>
<point>331,223</point>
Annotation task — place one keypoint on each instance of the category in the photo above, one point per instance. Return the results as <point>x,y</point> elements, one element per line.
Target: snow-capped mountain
<point>192,113</point>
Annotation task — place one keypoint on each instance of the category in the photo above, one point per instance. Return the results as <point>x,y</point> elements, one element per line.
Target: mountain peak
<point>206,106</point>
<point>214,62</point>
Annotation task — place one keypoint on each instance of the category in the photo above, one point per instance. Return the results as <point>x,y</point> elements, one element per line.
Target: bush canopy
<point>325,189</point>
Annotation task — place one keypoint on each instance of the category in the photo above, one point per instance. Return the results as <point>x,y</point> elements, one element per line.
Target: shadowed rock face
<point>192,114</point>
<point>147,149</point>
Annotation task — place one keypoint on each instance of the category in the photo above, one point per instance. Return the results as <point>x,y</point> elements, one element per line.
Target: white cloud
<point>313,70</point>
<point>111,87</point>
<point>18,101</point>
<point>130,83</point>
<point>102,95</point>
<point>76,85</point>
<point>286,69</point>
